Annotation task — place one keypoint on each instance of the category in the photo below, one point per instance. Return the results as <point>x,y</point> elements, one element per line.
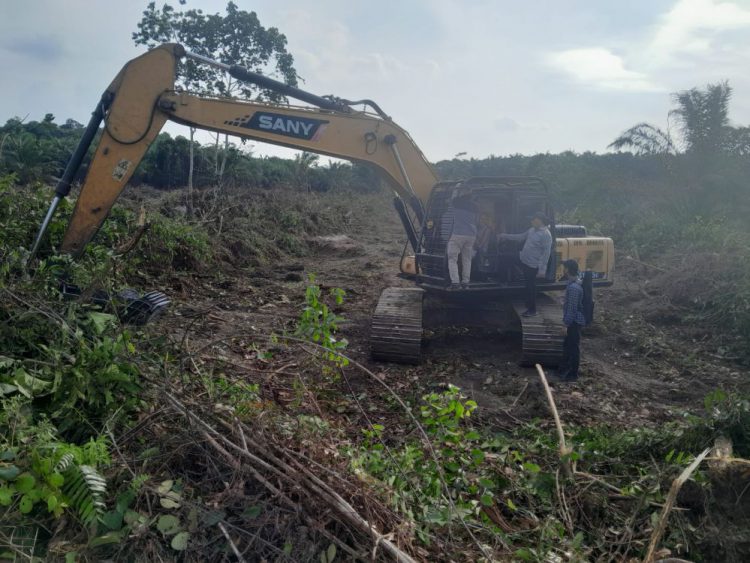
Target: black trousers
<point>529,278</point>
<point>571,352</point>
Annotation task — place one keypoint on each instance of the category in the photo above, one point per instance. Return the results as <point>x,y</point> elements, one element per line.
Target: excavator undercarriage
<point>403,314</point>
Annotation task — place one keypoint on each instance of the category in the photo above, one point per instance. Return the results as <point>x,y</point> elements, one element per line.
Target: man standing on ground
<point>573,319</point>
<point>462,240</point>
<point>533,257</point>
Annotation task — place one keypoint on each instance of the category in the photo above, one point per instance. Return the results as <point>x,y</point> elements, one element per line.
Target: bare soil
<point>641,366</point>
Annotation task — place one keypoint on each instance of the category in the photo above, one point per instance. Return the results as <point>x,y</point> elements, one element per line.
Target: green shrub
<point>319,324</point>
<point>76,370</point>
<point>415,473</point>
<point>40,474</point>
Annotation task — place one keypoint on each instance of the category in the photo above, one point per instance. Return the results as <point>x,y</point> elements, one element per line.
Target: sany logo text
<point>280,124</point>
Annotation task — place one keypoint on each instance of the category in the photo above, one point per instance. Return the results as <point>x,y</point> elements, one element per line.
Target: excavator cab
<point>494,294</point>
<point>506,205</point>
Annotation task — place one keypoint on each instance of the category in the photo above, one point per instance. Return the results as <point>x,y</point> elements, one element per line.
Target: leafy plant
<point>319,324</point>
<point>84,488</point>
<point>39,472</point>
<point>82,374</point>
<point>416,475</point>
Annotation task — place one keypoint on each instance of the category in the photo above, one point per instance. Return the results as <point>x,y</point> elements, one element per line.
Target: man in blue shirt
<point>573,319</point>
<point>534,256</point>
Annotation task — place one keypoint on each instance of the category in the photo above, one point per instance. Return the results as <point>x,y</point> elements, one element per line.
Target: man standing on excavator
<point>533,257</point>
<point>462,239</point>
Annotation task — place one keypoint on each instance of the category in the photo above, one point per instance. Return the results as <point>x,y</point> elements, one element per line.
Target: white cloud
<point>691,25</point>
<point>691,31</point>
<point>439,67</point>
<point>597,66</point>
<point>326,47</point>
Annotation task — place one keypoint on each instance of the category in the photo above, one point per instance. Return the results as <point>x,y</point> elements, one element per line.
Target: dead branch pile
<point>258,496</point>
<point>286,476</point>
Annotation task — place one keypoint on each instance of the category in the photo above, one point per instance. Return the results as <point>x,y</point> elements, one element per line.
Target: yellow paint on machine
<point>144,97</point>
<point>595,254</point>
<point>132,124</point>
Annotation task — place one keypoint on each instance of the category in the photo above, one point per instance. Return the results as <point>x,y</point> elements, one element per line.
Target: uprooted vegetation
<point>217,434</point>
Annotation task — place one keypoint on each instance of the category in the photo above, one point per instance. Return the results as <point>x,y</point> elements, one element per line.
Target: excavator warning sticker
<point>121,169</point>
<point>280,124</point>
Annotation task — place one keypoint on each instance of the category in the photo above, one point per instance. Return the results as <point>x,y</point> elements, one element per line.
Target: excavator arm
<point>143,97</point>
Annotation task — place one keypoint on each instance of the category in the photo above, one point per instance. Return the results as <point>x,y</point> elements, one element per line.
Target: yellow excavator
<point>143,96</point>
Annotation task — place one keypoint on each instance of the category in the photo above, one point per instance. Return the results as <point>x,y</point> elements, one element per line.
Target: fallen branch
<point>143,226</point>
<point>347,512</point>
<point>525,386</point>
<point>236,551</point>
<point>407,410</point>
<point>129,245</point>
<point>565,451</point>
<point>295,474</point>
<point>671,498</point>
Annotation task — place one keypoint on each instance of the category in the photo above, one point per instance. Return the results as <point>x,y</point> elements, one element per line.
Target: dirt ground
<point>641,367</point>
<point>635,370</point>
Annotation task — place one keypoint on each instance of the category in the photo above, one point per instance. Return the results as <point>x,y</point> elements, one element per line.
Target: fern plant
<point>84,488</point>
<point>40,473</point>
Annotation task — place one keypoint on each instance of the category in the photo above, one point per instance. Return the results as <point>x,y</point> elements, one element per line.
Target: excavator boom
<point>143,97</point>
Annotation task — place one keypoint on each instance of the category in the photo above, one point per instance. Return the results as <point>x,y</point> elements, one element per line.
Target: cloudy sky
<point>476,76</point>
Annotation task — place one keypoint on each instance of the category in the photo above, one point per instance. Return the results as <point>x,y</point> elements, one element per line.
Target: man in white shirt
<point>534,256</point>
<point>462,239</point>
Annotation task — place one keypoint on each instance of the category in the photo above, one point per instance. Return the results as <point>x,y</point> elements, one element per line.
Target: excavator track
<point>542,336</point>
<point>396,328</point>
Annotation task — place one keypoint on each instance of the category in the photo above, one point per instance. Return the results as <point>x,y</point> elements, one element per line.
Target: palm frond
<point>65,463</point>
<point>703,116</point>
<point>84,489</point>
<point>644,138</point>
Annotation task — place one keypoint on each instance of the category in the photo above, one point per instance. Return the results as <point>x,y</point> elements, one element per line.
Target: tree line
<point>37,151</point>
<point>699,170</point>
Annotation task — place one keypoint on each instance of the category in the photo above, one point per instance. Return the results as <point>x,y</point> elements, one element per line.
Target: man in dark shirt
<point>573,319</point>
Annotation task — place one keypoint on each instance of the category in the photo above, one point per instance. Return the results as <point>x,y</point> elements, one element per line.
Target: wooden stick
<point>564,450</point>
<point>129,245</point>
<point>671,498</point>
<point>236,551</point>
<point>525,386</point>
<point>348,512</point>
<point>408,411</point>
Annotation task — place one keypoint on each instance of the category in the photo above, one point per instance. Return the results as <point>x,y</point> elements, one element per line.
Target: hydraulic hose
<point>74,164</point>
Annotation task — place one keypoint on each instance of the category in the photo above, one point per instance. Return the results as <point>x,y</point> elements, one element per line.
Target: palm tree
<point>702,120</point>
<point>645,138</point>
<point>303,162</point>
